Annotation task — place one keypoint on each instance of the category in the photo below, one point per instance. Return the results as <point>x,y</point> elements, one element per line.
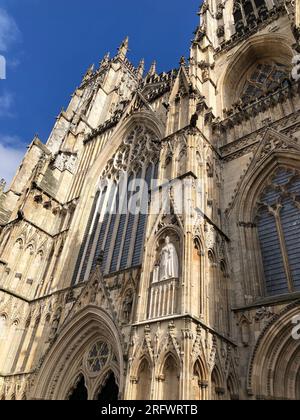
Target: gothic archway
<point>199,382</point>
<point>258,48</point>
<point>217,386</point>
<point>276,151</point>
<point>143,386</point>
<point>275,363</point>
<point>71,354</point>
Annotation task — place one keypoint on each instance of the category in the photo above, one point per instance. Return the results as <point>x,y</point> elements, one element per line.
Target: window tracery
<point>248,13</point>
<point>98,357</point>
<point>266,78</point>
<point>278,225</point>
<point>118,219</point>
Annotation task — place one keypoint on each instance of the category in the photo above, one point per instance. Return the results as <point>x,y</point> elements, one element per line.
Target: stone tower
<point>150,249</point>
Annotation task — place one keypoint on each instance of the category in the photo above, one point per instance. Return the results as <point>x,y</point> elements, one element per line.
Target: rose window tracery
<point>98,357</point>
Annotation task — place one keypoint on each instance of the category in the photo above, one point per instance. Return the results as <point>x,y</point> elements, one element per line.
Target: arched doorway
<point>79,392</point>
<point>109,390</point>
<point>91,345</point>
<point>276,359</point>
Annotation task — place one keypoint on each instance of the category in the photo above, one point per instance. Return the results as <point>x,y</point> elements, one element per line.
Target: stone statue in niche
<point>169,265</point>
<point>127,307</point>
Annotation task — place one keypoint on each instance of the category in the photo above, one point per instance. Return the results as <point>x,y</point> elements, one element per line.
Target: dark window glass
<point>279,214</point>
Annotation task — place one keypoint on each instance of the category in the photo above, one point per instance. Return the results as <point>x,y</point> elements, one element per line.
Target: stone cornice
<point>245,113</point>
<point>52,236</point>
<point>249,143</point>
<point>183,317</point>
<point>269,301</point>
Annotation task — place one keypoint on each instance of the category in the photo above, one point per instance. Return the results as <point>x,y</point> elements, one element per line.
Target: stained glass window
<point>98,357</point>
<point>278,223</point>
<point>264,79</point>
<point>114,229</point>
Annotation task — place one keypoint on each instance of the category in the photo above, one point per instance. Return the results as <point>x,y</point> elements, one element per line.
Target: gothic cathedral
<point>150,250</point>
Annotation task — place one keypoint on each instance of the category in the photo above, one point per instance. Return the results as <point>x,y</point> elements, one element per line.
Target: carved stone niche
<point>163,300</point>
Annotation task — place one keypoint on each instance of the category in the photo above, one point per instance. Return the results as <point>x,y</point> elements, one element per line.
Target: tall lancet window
<point>278,223</point>
<point>117,225</point>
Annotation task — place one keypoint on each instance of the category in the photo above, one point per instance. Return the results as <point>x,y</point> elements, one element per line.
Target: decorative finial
<point>105,60</point>
<point>123,49</point>
<point>2,185</point>
<point>89,72</point>
<point>182,61</point>
<point>152,71</point>
<point>141,69</point>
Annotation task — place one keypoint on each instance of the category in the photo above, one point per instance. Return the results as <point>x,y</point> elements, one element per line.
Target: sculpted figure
<point>169,266</point>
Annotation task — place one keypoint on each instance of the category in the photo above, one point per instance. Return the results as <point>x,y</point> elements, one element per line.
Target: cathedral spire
<point>182,61</point>
<point>123,49</point>
<point>105,60</point>
<point>141,69</point>
<point>89,73</point>
<point>152,71</point>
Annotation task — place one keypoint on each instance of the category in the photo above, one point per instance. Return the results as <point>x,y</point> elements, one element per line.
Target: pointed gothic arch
<point>107,219</point>
<point>69,353</point>
<point>169,378</point>
<point>259,48</point>
<point>275,152</point>
<point>217,384</point>
<point>233,386</point>
<point>144,118</point>
<point>200,381</point>
<point>275,363</point>
<point>143,381</point>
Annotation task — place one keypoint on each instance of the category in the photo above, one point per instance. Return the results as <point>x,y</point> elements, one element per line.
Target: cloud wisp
<point>9,31</point>
<point>6,104</point>
<point>11,155</point>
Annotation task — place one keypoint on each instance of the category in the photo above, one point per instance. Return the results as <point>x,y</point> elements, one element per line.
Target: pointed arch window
<point>117,225</point>
<point>278,225</point>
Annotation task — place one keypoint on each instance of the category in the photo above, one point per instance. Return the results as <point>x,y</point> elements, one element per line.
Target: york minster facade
<point>193,294</point>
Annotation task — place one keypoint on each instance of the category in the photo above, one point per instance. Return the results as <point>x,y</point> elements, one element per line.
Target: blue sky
<point>48,45</point>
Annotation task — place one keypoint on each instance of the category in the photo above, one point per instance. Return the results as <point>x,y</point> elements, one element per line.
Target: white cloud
<point>6,102</point>
<point>9,31</point>
<point>11,155</point>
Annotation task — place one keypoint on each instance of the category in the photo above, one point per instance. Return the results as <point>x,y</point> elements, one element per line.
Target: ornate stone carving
<point>66,161</point>
<point>263,313</point>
